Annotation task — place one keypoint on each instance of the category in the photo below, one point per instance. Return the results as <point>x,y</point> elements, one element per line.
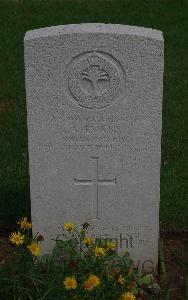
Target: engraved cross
<point>95,182</point>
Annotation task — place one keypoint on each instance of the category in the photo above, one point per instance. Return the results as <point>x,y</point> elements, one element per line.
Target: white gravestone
<point>94,102</point>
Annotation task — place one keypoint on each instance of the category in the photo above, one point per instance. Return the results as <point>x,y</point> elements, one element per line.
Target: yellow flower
<point>128,296</point>
<point>24,224</point>
<point>99,251</point>
<point>121,279</point>
<point>92,282</point>
<point>16,238</point>
<point>88,286</point>
<point>70,283</point>
<point>69,226</point>
<point>88,241</point>
<point>110,245</point>
<point>34,248</point>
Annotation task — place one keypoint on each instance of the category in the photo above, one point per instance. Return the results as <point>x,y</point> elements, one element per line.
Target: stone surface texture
<point>94,103</point>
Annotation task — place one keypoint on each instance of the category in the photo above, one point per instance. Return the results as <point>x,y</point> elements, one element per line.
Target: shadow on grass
<point>13,205</point>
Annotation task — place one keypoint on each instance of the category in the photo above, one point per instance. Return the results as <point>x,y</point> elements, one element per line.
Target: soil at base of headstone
<point>175,252</point>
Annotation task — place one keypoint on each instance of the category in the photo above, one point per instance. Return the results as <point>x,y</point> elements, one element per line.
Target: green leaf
<point>147,279</point>
<point>57,251</point>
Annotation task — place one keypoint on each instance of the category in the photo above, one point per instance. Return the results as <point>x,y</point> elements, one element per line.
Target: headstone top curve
<point>94,28</point>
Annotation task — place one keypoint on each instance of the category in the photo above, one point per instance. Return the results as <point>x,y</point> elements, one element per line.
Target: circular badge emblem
<point>95,79</point>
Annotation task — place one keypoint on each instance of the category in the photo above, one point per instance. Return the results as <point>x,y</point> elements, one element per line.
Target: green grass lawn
<point>16,17</point>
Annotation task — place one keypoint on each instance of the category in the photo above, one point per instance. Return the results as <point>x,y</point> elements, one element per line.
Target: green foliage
<point>98,270</point>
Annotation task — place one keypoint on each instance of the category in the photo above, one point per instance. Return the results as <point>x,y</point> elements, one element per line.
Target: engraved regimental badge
<point>95,79</point>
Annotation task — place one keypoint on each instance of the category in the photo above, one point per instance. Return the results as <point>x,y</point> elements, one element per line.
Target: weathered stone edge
<point>94,28</point>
